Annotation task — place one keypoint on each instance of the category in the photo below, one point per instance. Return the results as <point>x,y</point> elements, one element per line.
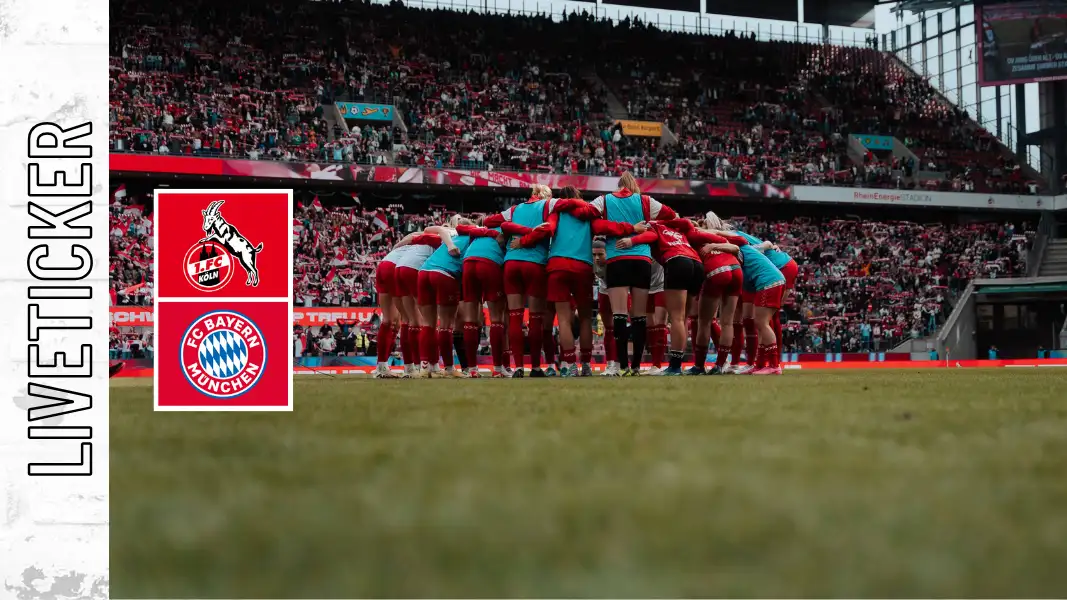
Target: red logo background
<point>272,319</point>
<point>259,217</point>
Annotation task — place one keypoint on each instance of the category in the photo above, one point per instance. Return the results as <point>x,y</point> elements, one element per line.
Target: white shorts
<point>657,278</point>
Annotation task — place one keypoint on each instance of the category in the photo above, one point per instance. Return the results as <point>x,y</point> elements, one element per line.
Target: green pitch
<point>848,484</point>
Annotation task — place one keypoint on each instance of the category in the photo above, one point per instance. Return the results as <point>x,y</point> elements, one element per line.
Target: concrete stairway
<point>1055,261</point>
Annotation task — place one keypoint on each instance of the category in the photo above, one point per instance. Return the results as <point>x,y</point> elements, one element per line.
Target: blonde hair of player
<point>628,182</point>
<point>457,219</point>
<point>714,223</point>
<point>540,191</point>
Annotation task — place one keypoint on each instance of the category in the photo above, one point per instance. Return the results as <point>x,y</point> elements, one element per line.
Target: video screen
<point>1022,42</point>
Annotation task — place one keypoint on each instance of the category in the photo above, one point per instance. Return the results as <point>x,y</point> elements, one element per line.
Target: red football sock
<point>496,343</point>
<point>716,332</point>
<point>761,356</point>
<point>549,346</point>
<point>414,335</point>
<point>658,344</point>
<point>568,356</point>
<point>586,356</point>
<point>738,345</point>
<point>444,341</point>
<point>537,333</point>
<point>609,343</point>
<point>405,343</point>
<point>722,352</point>
<point>774,356</point>
<point>515,336</point>
<point>385,337</point>
<point>471,337</point>
<point>691,324</point>
<point>751,340</point>
<point>428,344</point>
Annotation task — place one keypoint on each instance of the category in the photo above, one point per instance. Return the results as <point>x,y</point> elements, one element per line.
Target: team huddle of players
<point>656,273</point>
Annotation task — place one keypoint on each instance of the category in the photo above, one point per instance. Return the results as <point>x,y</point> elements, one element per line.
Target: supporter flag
<point>298,228</point>
<point>355,199</point>
<point>316,204</point>
<point>119,194</point>
<point>381,220</point>
<point>377,236</point>
<point>134,210</point>
<point>330,277</point>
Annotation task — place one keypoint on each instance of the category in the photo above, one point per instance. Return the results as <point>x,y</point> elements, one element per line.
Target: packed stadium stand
<point>467,95</point>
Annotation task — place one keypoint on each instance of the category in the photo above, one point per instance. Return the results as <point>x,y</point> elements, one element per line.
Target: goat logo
<point>217,229</point>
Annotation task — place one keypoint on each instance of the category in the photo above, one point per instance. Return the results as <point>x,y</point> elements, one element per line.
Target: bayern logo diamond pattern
<point>223,354</point>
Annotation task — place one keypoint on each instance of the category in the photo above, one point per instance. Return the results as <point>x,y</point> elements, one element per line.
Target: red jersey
<point>666,243</point>
<point>715,260</point>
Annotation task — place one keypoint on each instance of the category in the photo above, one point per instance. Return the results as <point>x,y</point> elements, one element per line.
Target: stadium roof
<point>846,13</point>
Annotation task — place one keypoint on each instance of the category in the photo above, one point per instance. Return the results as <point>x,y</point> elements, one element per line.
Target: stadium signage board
<point>223,300</point>
<point>642,128</point>
<point>841,195</point>
<point>359,111</point>
<point>1022,42</point>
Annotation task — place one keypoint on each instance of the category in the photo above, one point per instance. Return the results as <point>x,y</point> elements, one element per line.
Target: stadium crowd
<point>863,286</point>
<point>468,96</point>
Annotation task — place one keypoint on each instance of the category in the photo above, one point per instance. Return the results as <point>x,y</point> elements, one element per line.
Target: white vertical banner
<point>54,275</point>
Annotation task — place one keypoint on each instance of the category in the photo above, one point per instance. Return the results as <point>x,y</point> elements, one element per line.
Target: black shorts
<point>629,273</point>
<point>683,273</point>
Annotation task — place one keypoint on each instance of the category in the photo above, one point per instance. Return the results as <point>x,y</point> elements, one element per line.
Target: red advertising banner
<point>141,316</point>
<point>266,169</point>
<point>223,300</point>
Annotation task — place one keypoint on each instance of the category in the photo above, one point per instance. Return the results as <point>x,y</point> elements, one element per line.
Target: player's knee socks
<point>721,354</point>
<point>621,332</point>
<point>405,343</point>
<point>700,356</point>
<point>515,336</point>
<point>640,336</point>
<point>586,355</point>
<point>751,340</point>
<point>691,325</point>
<point>738,345</point>
<point>761,355</point>
<point>496,343</point>
<point>657,344</point>
<point>716,332</point>
<point>385,337</point>
<point>458,346</point>
<point>774,356</point>
<point>414,336</point>
<point>548,344</point>
<point>444,346</point>
<point>428,345</point>
<point>676,359</point>
<point>471,336</point>
<point>537,332</point>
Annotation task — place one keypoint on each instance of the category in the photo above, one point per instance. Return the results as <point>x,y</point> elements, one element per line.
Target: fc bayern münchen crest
<point>223,354</point>
<point>208,266</point>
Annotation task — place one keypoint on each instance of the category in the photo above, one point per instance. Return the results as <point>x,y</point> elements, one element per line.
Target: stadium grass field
<point>938,483</point>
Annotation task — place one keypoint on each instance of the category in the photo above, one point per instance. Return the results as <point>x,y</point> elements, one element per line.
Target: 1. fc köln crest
<point>223,244</point>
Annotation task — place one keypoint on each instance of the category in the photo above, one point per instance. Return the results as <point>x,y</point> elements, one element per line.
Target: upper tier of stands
<point>527,93</point>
